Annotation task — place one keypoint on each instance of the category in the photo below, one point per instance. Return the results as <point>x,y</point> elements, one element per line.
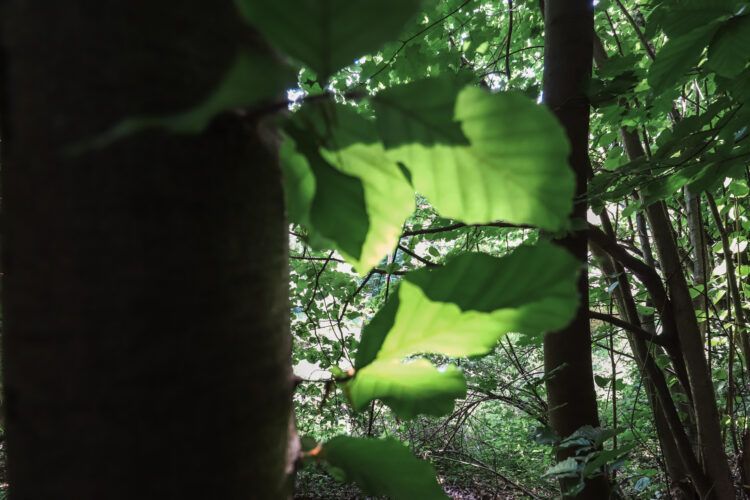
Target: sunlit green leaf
<point>337,213</point>
<point>466,306</point>
<point>299,183</point>
<point>421,112</point>
<point>383,467</point>
<point>389,198</point>
<point>351,147</point>
<point>514,169</point>
<point>460,309</point>
<point>409,388</point>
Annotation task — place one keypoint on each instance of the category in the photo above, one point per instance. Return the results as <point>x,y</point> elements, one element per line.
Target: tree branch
<point>634,329</point>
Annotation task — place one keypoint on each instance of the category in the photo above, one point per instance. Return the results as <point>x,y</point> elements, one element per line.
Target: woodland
<point>408,249</point>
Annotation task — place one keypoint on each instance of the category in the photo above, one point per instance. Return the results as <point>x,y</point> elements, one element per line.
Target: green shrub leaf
<point>327,35</point>
<point>514,167</point>
<point>727,54</point>
<point>461,309</point>
<point>383,467</point>
<point>408,388</point>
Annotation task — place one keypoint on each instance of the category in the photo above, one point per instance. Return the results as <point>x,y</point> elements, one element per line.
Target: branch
<point>646,274</point>
<point>415,35</point>
<point>634,329</point>
<point>507,46</point>
<point>459,225</point>
<point>637,30</point>
<point>421,259</point>
<point>333,259</point>
<point>481,465</point>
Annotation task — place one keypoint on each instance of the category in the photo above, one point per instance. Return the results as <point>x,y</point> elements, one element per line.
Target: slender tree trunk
<point>734,292</point>
<point>677,451</point>
<point>567,69</point>
<point>145,342</point>
<point>700,267</point>
<point>683,315</point>
<point>701,386</point>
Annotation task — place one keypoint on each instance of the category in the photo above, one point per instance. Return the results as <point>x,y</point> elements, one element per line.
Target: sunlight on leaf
<point>369,228</point>
<point>462,309</point>
<point>409,388</point>
<point>514,169</point>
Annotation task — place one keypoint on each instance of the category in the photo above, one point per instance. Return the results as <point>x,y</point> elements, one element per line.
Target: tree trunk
<point>700,264</point>
<point>145,342</point>
<point>567,69</point>
<point>701,386</point>
<point>681,462</point>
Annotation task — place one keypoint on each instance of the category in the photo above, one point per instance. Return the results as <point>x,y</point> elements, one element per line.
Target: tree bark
<point>145,342</point>
<point>567,69</point>
<point>701,386</point>
<point>676,448</point>
<point>700,266</point>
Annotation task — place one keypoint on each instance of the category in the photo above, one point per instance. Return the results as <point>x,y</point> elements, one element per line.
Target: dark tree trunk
<point>145,342</point>
<point>567,69</point>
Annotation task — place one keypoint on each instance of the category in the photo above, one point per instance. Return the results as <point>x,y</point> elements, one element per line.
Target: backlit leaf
<point>462,309</point>
<point>514,169</point>
<point>409,388</point>
<point>383,467</point>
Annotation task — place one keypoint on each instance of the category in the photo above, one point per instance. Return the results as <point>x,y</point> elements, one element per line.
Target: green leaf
<point>466,306</point>
<point>375,332</point>
<point>388,196</point>
<point>383,467</point>
<point>337,217</point>
<point>569,467</point>
<point>602,382</point>
<point>727,54</point>
<point>514,169</point>
<point>299,183</point>
<point>420,112</point>
<point>688,15</point>
<point>738,188</point>
<point>362,197</point>
<point>408,388</point>
<point>663,188</point>
<point>460,309</point>
<point>605,457</point>
<point>254,78</point>
<point>327,35</point>
<point>677,56</point>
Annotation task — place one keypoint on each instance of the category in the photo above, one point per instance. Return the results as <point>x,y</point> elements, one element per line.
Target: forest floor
<point>318,486</point>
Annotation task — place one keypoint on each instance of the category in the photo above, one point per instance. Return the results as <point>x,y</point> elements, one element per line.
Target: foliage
<point>427,310</point>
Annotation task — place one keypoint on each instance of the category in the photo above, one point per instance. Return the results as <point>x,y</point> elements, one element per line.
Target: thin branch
<point>480,465</point>
<point>507,46</point>
<point>421,259</point>
<point>453,227</point>
<point>637,30</point>
<point>419,33</point>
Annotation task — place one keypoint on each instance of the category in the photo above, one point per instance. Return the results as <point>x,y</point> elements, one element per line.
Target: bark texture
<point>567,69</point>
<point>145,342</point>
